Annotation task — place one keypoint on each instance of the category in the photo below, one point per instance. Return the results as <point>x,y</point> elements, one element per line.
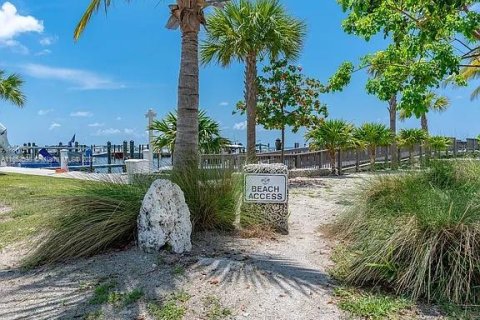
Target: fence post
<point>387,149</point>
<point>420,150</point>
<point>109,156</point>
<point>132,149</point>
<point>454,147</point>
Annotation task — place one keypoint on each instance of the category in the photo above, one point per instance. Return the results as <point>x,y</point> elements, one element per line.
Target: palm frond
<point>210,139</point>
<point>262,27</point>
<point>475,94</point>
<point>92,8</point>
<point>10,89</point>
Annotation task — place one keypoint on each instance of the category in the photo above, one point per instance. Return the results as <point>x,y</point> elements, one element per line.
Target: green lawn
<point>29,197</point>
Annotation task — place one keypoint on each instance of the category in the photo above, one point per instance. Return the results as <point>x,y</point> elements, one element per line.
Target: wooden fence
<point>302,158</point>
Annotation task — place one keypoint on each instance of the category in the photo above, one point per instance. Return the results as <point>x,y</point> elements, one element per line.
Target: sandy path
<point>277,279</point>
<point>286,278</point>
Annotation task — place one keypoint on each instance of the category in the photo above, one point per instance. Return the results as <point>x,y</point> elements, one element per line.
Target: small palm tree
<point>10,89</point>
<point>438,144</point>
<point>433,103</point>
<point>410,138</point>
<point>333,135</point>
<point>246,31</point>
<point>210,140</point>
<point>373,135</point>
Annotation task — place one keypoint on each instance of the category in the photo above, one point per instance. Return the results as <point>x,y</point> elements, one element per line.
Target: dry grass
<point>418,234</point>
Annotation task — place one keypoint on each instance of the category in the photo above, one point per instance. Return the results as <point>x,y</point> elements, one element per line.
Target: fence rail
<point>354,158</point>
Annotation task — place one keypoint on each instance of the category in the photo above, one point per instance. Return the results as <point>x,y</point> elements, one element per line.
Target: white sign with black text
<point>265,188</point>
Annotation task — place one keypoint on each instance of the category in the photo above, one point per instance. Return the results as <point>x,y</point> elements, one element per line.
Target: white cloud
<point>54,125</point>
<point>107,132</point>
<point>96,125</point>
<point>224,104</point>
<point>44,112</point>
<point>240,126</point>
<point>81,114</point>
<point>48,41</point>
<point>128,131</point>
<point>12,24</point>
<point>43,52</point>
<point>119,118</point>
<point>80,79</point>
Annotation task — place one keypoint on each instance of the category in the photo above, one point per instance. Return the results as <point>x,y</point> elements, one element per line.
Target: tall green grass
<point>92,219</point>
<point>96,217</point>
<point>417,234</point>
<point>212,196</point>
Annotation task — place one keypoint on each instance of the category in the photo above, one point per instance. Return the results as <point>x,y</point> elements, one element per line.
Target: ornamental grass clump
<point>89,220</point>
<point>418,234</point>
<point>98,216</point>
<point>212,196</point>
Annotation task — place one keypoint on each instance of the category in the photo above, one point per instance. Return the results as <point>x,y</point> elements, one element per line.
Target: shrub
<point>98,216</point>
<point>95,217</point>
<point>418,234</point>
<point>212,196</point>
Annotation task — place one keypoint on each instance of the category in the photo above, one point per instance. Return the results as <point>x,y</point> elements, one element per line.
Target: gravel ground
<point>284,277</point>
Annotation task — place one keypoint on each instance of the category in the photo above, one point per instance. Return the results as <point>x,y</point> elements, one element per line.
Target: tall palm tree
<point>333,135</point>
<point>246,31</point>
<point>209,140</point>
<point>433,103</point>
<point>10,89</point>
<point>189,16</point>
<point>372,136</point>
<point>410,138</point>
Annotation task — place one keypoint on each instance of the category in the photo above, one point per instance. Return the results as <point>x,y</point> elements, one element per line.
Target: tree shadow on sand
<point>65,291</point>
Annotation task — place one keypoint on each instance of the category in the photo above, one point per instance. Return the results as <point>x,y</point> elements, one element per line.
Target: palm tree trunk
<point>392,108</point>
<point>283,139</point>
<point>424,122</point>
<point>251,104</point>
<point>333,160</point>
<point>186,143</point>
<point>373,156</point>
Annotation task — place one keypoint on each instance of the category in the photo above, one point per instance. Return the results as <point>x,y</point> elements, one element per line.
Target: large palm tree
<point>332,135</point>
<point>433,103</point>
<point>189,16</point>
<point>10,89</point>
<point>246,31</point>
<point>209,139</point>
<point>372,136</point>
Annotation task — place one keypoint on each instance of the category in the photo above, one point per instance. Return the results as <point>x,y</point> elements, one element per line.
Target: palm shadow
<point>230,264</point>
<point>66,291</point>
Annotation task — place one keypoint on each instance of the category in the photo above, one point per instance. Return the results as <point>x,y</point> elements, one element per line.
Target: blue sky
<point>127,62</point>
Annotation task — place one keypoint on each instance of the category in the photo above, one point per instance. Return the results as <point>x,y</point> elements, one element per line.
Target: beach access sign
<point>265,188</point>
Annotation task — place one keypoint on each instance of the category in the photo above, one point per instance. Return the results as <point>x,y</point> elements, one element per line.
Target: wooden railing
<point>302,158</point>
